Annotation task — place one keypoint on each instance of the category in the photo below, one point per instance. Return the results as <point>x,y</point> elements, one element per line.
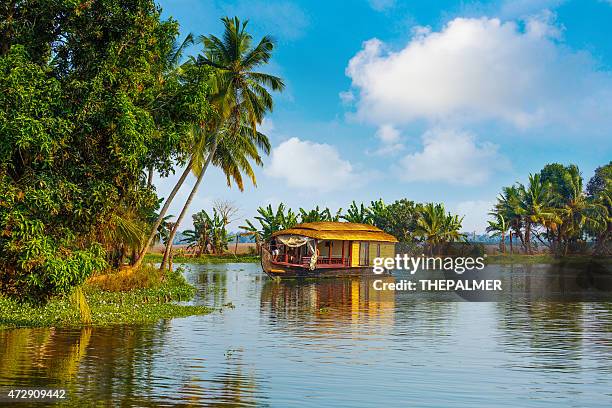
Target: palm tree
<point>430,225</point>
<point>171,67</point>
<point>535,207</point>
<point>574,210</point>
<point>232,156</point>
<point>436,226</point>
<point>498,228</point>
<point>507,207</point>
<point>599,221</point>
<point>239,96</point>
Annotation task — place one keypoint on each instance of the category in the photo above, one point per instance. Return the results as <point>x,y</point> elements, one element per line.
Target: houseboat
<point>325,249</point>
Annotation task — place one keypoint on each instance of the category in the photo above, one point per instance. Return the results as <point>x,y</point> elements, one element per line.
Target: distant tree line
<point>429,224</point>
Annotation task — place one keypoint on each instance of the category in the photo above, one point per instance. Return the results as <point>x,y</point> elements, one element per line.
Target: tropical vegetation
<point>555,211</point>
<point>96,98</point>
<point>429,224</point>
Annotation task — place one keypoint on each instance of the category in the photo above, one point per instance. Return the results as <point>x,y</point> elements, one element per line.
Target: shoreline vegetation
<point>123,297</point>
<point>205,258</point>
<point>148,295</point>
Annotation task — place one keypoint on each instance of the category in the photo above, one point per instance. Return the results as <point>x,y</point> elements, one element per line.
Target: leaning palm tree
<point>233,154</point>
<point>171,68</point>
<point>239,92</point>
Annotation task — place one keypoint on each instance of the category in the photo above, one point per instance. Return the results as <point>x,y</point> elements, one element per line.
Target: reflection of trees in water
<point>554,335</point>
<point>336,306</point>
<point>42,353</point>
<point>212,286</point>
<point>559,282</point>
<point>327,304</point>
<point>548,323</point>
<point>92,362</point>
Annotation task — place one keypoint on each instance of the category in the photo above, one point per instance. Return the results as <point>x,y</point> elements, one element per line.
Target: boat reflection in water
<point>328,305</point>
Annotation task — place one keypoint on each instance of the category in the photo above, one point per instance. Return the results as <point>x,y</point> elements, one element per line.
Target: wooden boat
<point>325,249</point>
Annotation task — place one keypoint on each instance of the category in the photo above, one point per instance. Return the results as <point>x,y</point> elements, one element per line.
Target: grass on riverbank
<point>112,301</point>
<point>205,259</point>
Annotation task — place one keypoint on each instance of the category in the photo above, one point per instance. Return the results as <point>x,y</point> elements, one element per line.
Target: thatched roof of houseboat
<point>341,231</point>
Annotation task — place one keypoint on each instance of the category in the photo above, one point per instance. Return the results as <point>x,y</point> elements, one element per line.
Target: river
<point>336,343</point>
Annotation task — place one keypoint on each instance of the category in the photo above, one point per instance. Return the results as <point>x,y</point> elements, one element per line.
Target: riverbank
<point>506,259</point>
<point>149,298</point>
<point>205,259</point>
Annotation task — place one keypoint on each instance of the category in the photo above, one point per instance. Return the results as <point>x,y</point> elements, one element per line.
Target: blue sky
<point>426,100</point>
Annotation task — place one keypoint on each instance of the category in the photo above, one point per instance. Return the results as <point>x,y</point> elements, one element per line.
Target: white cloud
<point>312,166</point>
<point>390,139</point>
<point>381,5</point>
<point>347,97</point>
<point>475,215</point>
<point>453,157</point>
<point>478,69</point>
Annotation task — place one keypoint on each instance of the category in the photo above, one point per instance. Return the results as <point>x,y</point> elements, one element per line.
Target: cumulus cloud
<point>390,140</point>
<point>347,97</point>
<point>478,69</point>
<point>454,157</point>
<point>312,166</point>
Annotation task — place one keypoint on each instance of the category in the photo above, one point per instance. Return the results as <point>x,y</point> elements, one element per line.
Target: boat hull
<point>292,272</point>
<point>284,271</point>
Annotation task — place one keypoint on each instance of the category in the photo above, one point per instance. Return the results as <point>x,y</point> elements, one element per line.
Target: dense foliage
<point>89,102</point>
<point>209,234</point>
<point>411,223</point>
<point>554,210</point>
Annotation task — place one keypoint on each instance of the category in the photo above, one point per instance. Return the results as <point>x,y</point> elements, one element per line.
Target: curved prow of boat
<point>325,249</point>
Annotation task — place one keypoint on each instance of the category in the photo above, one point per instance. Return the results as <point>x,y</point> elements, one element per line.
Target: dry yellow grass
<point>127,279</point>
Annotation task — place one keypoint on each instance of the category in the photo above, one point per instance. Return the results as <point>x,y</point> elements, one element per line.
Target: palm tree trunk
<point>503,242</point>
<point>528,238</point>
<point>188,203</point>
<point>162,214</point>
<point>511,249</point>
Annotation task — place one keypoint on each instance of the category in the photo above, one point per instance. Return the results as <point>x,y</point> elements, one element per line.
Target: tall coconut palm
<point>498,228</point>
<point>573,209</point>
<point>507,206</point>
<point>233,153</point>
<point>535,207</point>
<point>430,225</point>
<point>435,226</point>
<point>172,67</point>
<point>239,92</point>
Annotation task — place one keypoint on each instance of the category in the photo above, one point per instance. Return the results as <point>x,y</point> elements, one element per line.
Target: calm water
<point>336,343</point>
